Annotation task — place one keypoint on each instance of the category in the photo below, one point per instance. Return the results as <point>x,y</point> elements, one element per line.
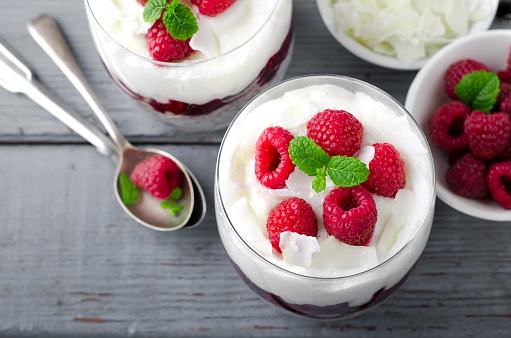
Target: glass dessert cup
<point>324,297</point>
<point>206,93</point>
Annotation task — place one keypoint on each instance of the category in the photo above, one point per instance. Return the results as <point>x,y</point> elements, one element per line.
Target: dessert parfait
<point>324,195</point>
<point>193,63</point>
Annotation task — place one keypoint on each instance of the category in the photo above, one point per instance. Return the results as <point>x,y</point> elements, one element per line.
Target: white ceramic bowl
<point>369,55</point>
<point>427,93</point>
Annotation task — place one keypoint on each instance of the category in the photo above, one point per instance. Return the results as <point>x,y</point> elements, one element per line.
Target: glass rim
<point>358,82</point>
<point>188,63</point>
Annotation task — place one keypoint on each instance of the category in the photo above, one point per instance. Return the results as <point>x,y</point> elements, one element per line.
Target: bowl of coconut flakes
<point>403,34</point>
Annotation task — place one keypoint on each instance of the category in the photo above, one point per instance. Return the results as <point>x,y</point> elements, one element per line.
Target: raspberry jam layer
<point>336,311</point>
<point>189,109</point>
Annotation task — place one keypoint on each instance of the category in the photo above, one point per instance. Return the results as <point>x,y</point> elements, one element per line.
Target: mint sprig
<point>310,158</point>
<point>168,203</point>
<point>178,19</point>
<point>479,90</point>
<point>129,191</point>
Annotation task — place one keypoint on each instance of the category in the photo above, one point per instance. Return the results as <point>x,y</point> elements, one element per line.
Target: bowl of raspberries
<point>461,98</point>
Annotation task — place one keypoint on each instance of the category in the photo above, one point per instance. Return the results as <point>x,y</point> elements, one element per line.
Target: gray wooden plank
<point>72,264</point>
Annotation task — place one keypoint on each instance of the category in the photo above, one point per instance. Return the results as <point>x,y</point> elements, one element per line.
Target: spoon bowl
<point>147,210</point>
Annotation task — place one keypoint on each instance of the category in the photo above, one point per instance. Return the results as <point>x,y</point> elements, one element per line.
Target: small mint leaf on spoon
<point>167,204</point>
<point>178,19</point>
<point>129,191</point>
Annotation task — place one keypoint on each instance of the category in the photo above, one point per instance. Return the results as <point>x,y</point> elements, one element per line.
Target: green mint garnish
<point>167,204</point>
<point>307,155</point>
<point>178,19</point>
<point>129,191</point>
<point>347,171</point>
<point>479,90</point>
<point>344,171</point>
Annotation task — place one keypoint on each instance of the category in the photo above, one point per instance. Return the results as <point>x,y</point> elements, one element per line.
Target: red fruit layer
<point>336,311</point>
<point>190,109</point>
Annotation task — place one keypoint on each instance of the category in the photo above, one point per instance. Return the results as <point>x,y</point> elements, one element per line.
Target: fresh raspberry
<point>386,171</point>
<point>159,175</point>
<point>467,177</point>
<point>272,162</point>
<point>163,47</point>
<point>350,215</point>
<point>487,134</point>
<point>446,127</point>
<point>142,2</point>
<point>336,131</point>
<point>457,70</point>
<point>499,183</point>
<point>213,7</point>
<point>293,214</point>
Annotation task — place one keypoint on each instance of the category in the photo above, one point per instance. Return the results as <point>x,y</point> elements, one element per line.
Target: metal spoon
<point>16,77</point>
<point>147,210</point>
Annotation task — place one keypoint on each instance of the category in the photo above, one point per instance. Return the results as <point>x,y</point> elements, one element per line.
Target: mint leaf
<point>180,21</point>
<point>347,171</point>
<point>153,9</point>
<point>479,90</point>
<point>307,155</point>
<point>319,183</point>
<point>167,204</point>
<point>175,194</point>
<point>129,191</point>
<point>173,208</point>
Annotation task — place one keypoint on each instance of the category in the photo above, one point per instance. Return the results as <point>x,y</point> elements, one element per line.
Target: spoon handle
<point>46,33</point>
<point>16,77</point>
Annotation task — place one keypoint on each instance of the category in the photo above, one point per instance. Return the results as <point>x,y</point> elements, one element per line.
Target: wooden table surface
<point>73,264</point>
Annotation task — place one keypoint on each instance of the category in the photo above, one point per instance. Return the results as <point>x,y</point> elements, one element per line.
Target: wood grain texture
<point>72,264</point>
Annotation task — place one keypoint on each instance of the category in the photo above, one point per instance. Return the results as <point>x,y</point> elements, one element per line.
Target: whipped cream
<point>243,204</point>
<point>248,203</point>
<point>123,21</point>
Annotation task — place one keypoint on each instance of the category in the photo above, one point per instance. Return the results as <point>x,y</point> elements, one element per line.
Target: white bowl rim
<point>488,210</point>
<point>370,56</point>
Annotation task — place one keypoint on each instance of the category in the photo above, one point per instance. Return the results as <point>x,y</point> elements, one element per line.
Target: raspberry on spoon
<point>158,175</point>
